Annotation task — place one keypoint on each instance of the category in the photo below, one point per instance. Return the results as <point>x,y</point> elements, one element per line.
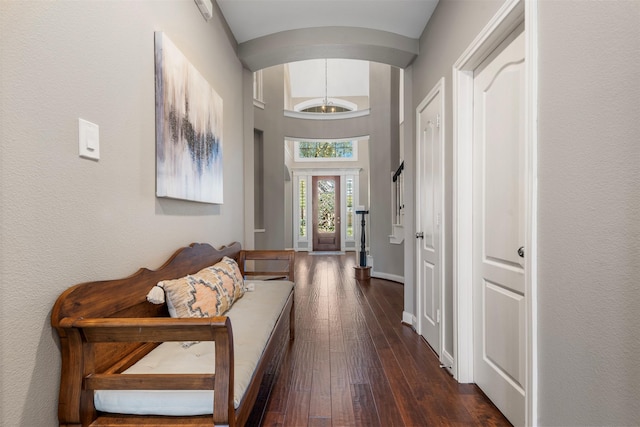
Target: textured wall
<point>388,258</point>
<point>271,122</point>
<point>589,213</point>
<point>66,220</point>
<point>450,30</point>
<point>589,197</point>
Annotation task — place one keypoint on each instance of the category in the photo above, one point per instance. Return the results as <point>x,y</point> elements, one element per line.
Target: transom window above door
<point>316,151</point>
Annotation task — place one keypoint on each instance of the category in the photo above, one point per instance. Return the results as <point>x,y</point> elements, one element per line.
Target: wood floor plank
<point>387,408</point>
<point>353,362</point>
<point>341,402</point>
<point>364,408</point>
<point>273,419</point>
<point>319,422</point>
<point>302,369</point>
<point>422,383</point>
<point>320,406</point>
<point>447,406</point>
<point>297,413</point>
<point>483,414</point>
<point>280,392</point>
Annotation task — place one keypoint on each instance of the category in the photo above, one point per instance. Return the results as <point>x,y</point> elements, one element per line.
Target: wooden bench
<point>105,327</point>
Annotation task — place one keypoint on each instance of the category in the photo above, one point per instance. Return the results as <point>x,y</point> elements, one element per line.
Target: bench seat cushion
<point>253,318</point>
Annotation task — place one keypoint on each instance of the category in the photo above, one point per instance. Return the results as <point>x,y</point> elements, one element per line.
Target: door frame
<point>445,358</point>
<point>512,14</point>
<point>305,244</point>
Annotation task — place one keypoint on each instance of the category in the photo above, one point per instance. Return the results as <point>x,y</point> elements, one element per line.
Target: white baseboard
<point>387,276</point>
<point>447,361</point>
<point>409,319</point>
<point>381,275</point>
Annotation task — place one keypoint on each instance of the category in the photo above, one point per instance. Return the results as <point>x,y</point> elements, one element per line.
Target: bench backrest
<point>127,297</point>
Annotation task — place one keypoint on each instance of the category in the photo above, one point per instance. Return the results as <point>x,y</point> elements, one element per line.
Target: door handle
<point>420,235</point>
<point>521,251</point>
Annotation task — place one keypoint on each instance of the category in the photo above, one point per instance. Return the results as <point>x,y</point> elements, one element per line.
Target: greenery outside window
<point>309,151</point>
<point>350,209</point>
<point>302,221</point>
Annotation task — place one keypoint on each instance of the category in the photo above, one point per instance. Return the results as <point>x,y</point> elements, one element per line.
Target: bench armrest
<point>80,378</point>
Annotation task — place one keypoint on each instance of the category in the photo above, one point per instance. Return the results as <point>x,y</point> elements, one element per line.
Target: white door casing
<point>511,14</point>
<point>498,228</point>
<point>429,218</point>
<point>304,242</point>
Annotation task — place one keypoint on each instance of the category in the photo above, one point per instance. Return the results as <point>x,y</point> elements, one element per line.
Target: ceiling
<point>344,78</point>
<point>251,19</point>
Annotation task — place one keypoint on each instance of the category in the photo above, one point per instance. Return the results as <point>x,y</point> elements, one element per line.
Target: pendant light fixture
<point>325,101</point>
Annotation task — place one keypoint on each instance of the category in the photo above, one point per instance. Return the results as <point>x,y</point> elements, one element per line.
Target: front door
<point>326,213</point>
<point>428,225</point>
<point>499,228</point>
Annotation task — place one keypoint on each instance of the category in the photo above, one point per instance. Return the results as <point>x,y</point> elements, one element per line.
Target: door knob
<point>420,235</point>
<point>521,251</point>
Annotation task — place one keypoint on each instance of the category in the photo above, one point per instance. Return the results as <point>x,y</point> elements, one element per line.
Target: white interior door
<point>428,217</point>
<point>499,228</point>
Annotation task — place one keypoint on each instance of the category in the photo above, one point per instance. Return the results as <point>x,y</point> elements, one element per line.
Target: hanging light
<point>325,101</point>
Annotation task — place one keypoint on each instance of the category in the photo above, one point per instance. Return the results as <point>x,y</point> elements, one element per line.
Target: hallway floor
<point>353,363</point>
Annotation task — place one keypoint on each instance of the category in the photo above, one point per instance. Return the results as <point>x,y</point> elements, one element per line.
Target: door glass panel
<point>350,208</point>
<point>326,206</point>
<point>303,208</point>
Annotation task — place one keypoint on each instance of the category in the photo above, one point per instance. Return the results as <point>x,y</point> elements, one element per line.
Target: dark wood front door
<point>326,213</point>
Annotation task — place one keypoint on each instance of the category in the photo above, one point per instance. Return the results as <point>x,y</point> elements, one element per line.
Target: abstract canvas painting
<point>188,129</point>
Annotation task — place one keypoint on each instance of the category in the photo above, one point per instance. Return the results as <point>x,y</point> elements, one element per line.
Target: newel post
<point>362,271</point>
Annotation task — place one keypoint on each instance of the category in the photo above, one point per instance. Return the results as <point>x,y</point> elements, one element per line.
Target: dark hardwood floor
<point>353,363</point>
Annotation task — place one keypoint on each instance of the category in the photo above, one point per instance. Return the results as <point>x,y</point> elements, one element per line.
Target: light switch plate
<point>88,140</point>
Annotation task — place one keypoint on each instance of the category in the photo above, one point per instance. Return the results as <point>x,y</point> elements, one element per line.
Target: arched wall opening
<point>382,125</point>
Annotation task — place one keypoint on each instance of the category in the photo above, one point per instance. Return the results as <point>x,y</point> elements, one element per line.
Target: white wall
<point>65,220</point>
<point>388,258</point>
<point>452,27</point>
<point>588,200</point>
<point>589,213</point>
